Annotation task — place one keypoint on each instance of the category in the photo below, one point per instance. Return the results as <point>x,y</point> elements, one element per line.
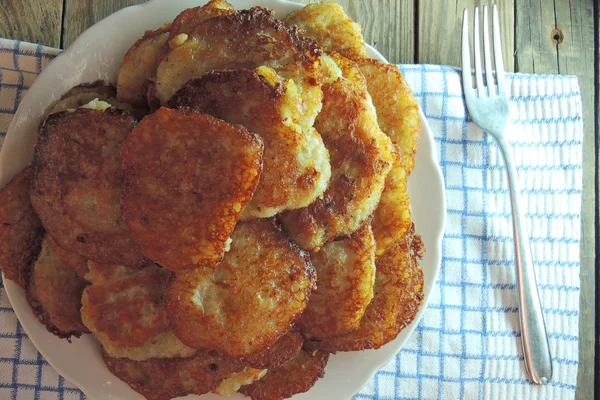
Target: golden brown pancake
<point>398,117</point>
<point>361,156</point>
<point>246,39</point>
<point>398,296</point>
<point>165,379</point>
<point>188,177</point>
<point>54,294</point>
<point>178,34</point>
<point>329,25</point>
<point>297,376</point>
<point>76,184</point>
<point>82,95</point>
<point>21,230</point>
<point>296,166</point>
<point>392,218</point>
<point>70,259</point>
<point>139,67</point>
<point>396,105</point>
<point>285,349</point>
<point>189,18</point>
<point>346,275</point>
<point>249,300</point>
<point>124,309</point>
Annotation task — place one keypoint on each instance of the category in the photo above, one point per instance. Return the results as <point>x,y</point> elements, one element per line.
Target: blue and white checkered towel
<point>467,345</point>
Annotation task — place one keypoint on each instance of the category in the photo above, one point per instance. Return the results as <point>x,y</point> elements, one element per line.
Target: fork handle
<point>536,351</point>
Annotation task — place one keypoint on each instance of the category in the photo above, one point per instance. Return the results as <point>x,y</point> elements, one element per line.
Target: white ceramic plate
<point>97,54</point>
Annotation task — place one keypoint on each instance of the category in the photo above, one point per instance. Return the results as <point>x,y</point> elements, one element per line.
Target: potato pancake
<point>398,296</point>
<point>71,260</point>
<point>285,349</point>
<point>249,300</point>
<point>296,166</point>
<point>139,67</point>
<point>398,117</point>
<point>361,156</point>
<point>392,218</point>
<point>54,294</point>
<point>21,230</point>
<point>188,177</point>
<point>246,39</point>
<point>396,105</point>
<point>76,184</point>
<point>82,95</point>
<point>189,18</point>
<point>346,275</point>
<point>297,376</point>
<point>167,378</point>
<point>329,25</point>
<point>124,309</point>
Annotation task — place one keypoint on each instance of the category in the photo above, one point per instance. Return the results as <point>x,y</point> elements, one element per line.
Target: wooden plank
<point>574,38</point>
<point>558,37</point>
<point>80,15</point>
<point>596,365</point>
<point>535,48</point>
<point>440,30</point>
<point>388,25</point>
<point>36,21</point>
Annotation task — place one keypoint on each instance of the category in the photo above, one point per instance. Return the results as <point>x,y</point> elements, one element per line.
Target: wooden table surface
<point>543,37</point>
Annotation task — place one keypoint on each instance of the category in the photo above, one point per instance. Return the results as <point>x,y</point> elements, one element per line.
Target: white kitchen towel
<point>467,345</point>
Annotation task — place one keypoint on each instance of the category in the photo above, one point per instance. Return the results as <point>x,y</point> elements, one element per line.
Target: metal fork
<point>488,107</point>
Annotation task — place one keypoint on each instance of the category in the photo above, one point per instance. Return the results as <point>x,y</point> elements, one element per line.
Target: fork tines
<point>494,68</point>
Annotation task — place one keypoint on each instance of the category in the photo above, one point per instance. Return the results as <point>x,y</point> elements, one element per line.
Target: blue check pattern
<point>467,344</point>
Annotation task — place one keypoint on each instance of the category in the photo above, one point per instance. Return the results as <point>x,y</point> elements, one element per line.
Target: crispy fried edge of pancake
<point>17,260</point>
<point>49,123</point>
<point>29,285</point>
<point>409,295</point>
<point>297,376</point>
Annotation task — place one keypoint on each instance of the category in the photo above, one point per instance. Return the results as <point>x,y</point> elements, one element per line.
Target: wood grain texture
<point>574,38</point>
<point>81,14</point>
<point>388,25</point>
<point>36,21</point>
<point>594,365</point>
<point>535,49</point>
<point>440,30</point>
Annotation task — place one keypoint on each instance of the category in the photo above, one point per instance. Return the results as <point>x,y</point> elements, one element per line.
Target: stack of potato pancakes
<point>233,212</point>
